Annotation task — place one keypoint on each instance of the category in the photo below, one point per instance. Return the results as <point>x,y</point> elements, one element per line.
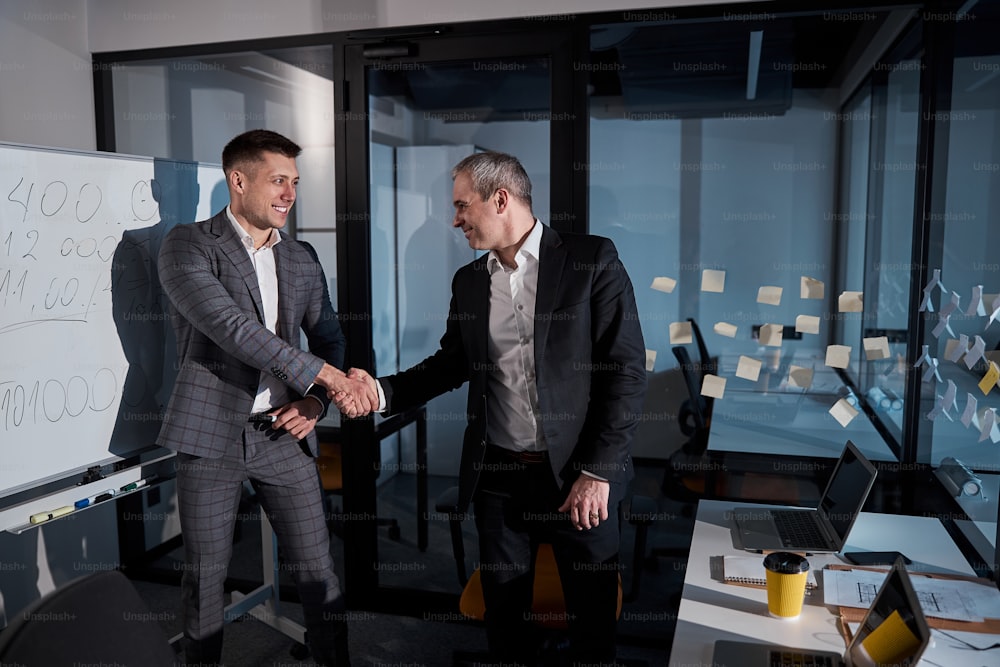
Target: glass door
<point>416,108</point>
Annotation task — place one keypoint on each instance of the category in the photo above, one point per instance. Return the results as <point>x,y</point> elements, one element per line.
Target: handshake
<point>354,393</point>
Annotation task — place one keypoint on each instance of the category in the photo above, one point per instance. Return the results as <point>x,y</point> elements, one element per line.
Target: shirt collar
<point>245,238</point>
<point>530,248</point>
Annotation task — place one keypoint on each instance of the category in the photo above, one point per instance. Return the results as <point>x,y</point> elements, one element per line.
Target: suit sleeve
<point>187,276</point>
<point>618,383</point>
<point>322,328</point>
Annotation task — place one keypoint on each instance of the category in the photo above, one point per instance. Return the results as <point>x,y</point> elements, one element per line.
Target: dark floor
<point>645,629</point>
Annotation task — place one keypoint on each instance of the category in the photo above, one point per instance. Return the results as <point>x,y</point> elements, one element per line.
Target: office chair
<point>330,463</point>
<point>97,619</point>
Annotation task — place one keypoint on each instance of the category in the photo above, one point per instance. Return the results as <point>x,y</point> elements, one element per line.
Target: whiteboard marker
<point>85,502</point>
<point>54,514</point>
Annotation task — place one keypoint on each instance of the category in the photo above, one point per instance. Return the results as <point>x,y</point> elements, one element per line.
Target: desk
<point>712,610</point>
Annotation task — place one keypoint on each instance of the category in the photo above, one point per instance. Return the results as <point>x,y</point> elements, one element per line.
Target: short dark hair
<point>491,171</point>
<point>249,147</point>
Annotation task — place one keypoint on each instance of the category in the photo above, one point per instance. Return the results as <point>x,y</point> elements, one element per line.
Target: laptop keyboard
<point>798,529</point>
<point>797,659</point>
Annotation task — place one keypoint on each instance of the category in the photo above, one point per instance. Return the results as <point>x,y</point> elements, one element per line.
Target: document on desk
<point>954,599</point>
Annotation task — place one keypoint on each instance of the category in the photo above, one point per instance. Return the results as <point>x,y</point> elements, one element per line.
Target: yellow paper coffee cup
<point>785,575</point>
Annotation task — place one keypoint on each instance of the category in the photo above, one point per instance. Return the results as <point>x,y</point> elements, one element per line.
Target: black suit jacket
<point>589,360</point>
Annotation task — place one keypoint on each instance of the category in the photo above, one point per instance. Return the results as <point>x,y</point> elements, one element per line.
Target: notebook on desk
<point>823,529</point>
<point>893,633</point>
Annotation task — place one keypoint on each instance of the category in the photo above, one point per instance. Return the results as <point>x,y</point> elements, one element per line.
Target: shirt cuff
<point>381,396</point>
<point>597,477</point>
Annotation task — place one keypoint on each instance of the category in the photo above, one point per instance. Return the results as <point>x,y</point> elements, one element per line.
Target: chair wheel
<point>394,533</point>
<point>299,651</point>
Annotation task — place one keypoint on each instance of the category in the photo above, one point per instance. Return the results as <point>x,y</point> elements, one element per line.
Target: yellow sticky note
<point>664,284</point>
<point>680,333</point>
<point>770,334</point>
<point>769,294</point>
<point>725,329</point>
<point>810,288</point>
<point>876,348</point>
<point>713,280</point>
<point>713,386</point>
<point>650,359</point>
<point>843,412</point>
<point>990,379</point>
<point>807,324</point>
<point>838,356</point>
<point>850,302</point>
<point>748,368</point>
<point>800,377</point>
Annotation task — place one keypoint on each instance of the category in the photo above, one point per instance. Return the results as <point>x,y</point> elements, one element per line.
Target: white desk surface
<point>712,610</point>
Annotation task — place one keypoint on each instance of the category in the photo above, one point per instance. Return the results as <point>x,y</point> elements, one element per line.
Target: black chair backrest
<point>692,417</point>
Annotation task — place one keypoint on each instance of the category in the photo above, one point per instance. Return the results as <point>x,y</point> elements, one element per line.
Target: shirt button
<point>520,307</point>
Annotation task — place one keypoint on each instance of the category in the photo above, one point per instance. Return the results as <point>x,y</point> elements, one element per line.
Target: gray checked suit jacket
<point>222,343</point>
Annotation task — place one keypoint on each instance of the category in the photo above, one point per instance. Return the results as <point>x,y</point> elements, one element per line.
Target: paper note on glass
<point>713,280</point>
<point>975,352</point>
<point>800,377</point>
<point>680,333</point>
<point>748,368</point>
<point>810,288</point>
<point>954,349</point>
<point>990,379</point>
<point>713,386</point>
<point>843,412</point>
<point>969,415</point>
<point>807,324</point>
<point>770,334</point>
<point>650,359</point>
<point>850,302</point>
<point>838,356</point>
<point>876,348</point>
<point>664,284</point>
<point>725,329</point>
<point>769,294</point>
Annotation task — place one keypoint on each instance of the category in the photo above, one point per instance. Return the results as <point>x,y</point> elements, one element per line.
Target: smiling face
<point>262,193</point>
<point>473,215</point>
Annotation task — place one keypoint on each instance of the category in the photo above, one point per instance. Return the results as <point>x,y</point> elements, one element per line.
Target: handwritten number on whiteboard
<point>27,197</point>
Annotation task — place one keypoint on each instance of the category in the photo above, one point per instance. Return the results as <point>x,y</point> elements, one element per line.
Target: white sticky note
<point>713,280</point>
<point>843,412</point>
<point>970,411</point>
<point>850,302</point>
<point>770,334</point>
<point>810,288</point>
<point>975,352</point>
<point>713,386</point>
<point>680,333</point>
<point>807,324</point>
<point>725,329</point>
<point>748,368</point>
<point>954,349</point>
<point>800,377</point>
<point>876,348</point>
<point>664,284</point>
<point>650,359</point>
<point>838,356</point>
<point>769,294</point>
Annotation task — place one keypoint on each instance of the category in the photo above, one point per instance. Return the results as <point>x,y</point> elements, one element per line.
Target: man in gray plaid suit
<point>247,398</point>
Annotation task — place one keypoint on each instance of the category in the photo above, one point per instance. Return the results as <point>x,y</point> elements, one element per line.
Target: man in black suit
<point>544,328</point>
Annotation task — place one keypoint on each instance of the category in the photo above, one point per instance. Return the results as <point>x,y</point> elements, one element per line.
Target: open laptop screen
<point>840,502</point>
<point>894,631</point>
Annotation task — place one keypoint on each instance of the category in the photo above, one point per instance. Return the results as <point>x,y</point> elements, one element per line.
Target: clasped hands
<point>354,393</point>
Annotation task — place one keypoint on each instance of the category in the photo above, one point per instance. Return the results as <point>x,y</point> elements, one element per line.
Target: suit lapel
<point>230,244</point>
<point>551,259</point>
<point>474,299</point>
<point>286,289</point>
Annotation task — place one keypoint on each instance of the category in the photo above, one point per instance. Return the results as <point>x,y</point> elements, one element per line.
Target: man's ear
<point>237,181</point>
<point>502,198</point>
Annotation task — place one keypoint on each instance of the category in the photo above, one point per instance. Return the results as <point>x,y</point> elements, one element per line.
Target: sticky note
<point>680,333</point>
<point>769,294</point>
<point>770,334</point>
<point>713,386</point>
<point>800,377</point>
<point>850,302</point>
<point>876,348</point>
<point>650,359</point>
<point>725,329</point>
<point>970,411</point>
<point>807,324</point>
<point>810,288</point>
<point>748,368</point>
<point>713,280</point>
<point>990,379</point>
<point>838,356</point>
<point>664,284</point>
<point>843,412</point>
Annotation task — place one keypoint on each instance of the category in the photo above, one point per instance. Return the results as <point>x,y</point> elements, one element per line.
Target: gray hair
<point>491,171</point>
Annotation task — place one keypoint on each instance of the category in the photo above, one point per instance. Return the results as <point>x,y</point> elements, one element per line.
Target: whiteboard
<point>87,353</point>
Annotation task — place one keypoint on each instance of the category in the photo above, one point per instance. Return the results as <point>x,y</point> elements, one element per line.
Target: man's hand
<point>587,502</point>
<point>298,417</point>
<point>354,396</point>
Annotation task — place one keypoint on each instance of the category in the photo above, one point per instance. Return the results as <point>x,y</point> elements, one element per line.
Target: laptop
<point>820,530</point>
<point>893,633</point>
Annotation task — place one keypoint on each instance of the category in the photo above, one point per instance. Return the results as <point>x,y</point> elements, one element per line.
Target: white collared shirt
<point>512,396</point>
<point>271,392</point>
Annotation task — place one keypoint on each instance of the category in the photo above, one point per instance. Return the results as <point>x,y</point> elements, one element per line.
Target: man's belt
<point>521,456</point>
